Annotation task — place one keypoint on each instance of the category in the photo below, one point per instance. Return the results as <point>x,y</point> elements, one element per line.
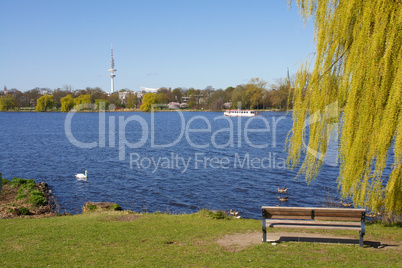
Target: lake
<point>165,161</point>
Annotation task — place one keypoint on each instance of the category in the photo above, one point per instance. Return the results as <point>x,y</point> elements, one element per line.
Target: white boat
<point>242,113</point>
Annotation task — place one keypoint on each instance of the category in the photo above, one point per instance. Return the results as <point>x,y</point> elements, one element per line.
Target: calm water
<point>161,162</point>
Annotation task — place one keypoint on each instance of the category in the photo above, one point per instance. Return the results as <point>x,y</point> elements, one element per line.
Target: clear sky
<point>175,43</point>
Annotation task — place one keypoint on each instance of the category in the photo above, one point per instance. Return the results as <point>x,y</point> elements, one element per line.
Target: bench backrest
<point>311,213</point>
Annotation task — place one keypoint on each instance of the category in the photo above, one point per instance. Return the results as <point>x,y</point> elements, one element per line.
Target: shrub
<point>116,207</point>
<point>28,189</point>
<point>28,186</point>
<point>4,181</point>
<point>15,182</point>
<point>38,200</point>
<point>19,182</point>
<point>21,194</point>
<point>91,207</point>
<point>23,211</point>
<point>218,215</point>
<point>37,192</point>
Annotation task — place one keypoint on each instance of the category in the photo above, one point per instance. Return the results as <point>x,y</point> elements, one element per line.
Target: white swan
<point>81,176</point>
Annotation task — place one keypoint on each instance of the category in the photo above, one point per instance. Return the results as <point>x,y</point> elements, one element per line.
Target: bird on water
<point>283,199</point>
<point>283,190</point>
<point>82,177</point>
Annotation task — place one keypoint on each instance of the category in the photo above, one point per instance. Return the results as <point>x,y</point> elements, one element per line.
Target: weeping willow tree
<point>358,68</point>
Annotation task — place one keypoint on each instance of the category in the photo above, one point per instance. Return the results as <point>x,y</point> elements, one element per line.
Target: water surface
<point>215,164</point>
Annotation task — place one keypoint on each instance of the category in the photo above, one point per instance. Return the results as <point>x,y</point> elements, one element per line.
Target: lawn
<point>126,239</point>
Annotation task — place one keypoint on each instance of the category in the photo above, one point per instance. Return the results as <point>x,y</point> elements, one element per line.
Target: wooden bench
<point>314,218</point>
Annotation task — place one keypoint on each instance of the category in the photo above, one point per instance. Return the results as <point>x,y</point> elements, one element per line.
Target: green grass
<point>108,239</point>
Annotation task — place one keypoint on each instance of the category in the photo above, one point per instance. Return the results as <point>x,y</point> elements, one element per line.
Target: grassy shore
<point>124,238</point>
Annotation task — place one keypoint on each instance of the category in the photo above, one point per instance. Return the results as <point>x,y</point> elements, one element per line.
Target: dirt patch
<point>237,242</point>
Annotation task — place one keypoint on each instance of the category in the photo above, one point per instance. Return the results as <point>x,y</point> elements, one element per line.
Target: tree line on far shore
<point>256,94</point>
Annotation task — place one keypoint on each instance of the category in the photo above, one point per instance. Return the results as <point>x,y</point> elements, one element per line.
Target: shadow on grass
<point>372,244</point>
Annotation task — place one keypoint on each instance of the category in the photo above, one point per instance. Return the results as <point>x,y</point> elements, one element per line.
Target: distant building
<point>123,96</point>
<point>148,90</point>
<point>44,92</point>
<point>140,95</point>
<point>145,90</point>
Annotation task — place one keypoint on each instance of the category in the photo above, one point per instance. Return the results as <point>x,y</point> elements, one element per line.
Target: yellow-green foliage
<point>7,102</point>
<point>101,104</point>
<point>44,103</point>
<point>67,103</point>
<point>358,66</point>
<point>82,102</point>
<point>147,101</point>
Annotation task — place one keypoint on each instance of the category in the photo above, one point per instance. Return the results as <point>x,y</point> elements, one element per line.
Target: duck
<point>283,199</point>
<point>373,215</point>
<point>346,205</point>
<point>82,177</point>
<point>283,190</point>
<point>233,213</point>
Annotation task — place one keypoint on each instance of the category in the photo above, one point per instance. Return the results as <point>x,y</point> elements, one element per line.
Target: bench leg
<point>264,230</point>
<point>362,232</point>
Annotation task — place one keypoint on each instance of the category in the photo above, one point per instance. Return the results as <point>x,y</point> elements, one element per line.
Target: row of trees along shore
<point>256,94</point>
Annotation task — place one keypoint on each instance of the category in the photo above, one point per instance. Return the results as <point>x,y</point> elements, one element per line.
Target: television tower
<point>112,70</point>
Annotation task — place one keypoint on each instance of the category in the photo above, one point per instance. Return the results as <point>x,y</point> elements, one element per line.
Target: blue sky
<point>156,43</point>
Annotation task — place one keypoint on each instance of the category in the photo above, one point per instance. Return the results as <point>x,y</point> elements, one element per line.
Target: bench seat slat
<point>312,208</point>
<point>318,213</point>
<point>301,213</point>
<point>290,217</point>
<point>313,222</point>
<point>319,227</point>
<point>339,214</point>
<point>336,218</point>
<point>324,218</point>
